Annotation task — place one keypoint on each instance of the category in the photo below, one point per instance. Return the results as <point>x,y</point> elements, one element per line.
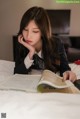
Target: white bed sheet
<point>22,105</point>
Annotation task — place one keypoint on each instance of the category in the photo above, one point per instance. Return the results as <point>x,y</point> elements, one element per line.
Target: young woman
<point>38,49</point>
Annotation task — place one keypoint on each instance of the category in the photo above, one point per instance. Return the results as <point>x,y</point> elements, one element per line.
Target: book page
<point>21,82</point>
<point>54,80</point>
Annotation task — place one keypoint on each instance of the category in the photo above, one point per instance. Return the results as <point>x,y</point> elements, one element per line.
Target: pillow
<point>6,67</point>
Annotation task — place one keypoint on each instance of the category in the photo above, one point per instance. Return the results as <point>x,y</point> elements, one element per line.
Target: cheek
<point>38,37</point>
<point>24,35</point>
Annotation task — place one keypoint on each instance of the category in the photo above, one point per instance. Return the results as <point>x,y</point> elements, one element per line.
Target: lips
<point>28,41</point>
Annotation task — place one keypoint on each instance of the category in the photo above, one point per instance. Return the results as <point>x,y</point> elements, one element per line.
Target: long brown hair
<point>40,16</point>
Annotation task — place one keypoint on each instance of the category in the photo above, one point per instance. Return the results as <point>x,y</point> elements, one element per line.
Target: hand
<point>69,75</point>
<point>29,47</point>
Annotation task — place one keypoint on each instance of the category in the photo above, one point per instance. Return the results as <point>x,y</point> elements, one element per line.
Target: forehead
<point>32,24</point>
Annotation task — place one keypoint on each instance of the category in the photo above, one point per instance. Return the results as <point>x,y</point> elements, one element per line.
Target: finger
<point>65,76</point>
<point>20,38</point>
<point>26,44</point>
<point>72,77</point>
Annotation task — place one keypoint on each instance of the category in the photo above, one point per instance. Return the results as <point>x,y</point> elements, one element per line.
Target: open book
<point>35,83</point>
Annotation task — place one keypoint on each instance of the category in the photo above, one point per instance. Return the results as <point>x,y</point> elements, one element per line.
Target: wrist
<point>27,61</point>
<point>31,54</point>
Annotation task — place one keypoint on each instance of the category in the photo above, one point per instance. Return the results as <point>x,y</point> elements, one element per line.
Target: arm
<point>65,70</point>
<point>21,53</point>
<point>63,59</point>
<point>20,68</point>
<point>22,62</point>
<point>24,56</point>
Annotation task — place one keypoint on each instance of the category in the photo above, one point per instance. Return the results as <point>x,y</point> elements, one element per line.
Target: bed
<point>22,105</point>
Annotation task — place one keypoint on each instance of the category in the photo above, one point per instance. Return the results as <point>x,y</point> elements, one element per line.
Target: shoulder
<point>56,40</point>
<point>58,44</point>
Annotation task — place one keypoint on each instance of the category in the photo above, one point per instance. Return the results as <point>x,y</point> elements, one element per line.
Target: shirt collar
<point>39,54</point>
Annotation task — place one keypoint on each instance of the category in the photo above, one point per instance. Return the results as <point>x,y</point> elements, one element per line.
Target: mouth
<point>28,41</point>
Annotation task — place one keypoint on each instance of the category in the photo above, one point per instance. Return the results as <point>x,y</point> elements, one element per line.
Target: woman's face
<point>32,34</point>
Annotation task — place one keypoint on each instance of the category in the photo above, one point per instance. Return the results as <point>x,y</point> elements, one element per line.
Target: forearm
<point>23,66</point>
<point>21,69</point>
<point>63,59</point>
<point>64,66</point>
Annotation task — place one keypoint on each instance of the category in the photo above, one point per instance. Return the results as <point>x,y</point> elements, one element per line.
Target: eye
<point>35,31</point>
<point>25,29</point>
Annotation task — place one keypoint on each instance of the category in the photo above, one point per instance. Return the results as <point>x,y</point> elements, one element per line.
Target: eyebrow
<point>35,28</point>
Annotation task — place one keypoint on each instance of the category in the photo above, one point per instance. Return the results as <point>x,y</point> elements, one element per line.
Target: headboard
<point>15,47</point>
<point>60,20</point>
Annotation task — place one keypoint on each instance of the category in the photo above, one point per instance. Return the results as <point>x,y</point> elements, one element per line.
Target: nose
<point>28,35</point>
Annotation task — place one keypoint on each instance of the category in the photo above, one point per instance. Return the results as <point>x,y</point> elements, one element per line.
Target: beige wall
<point>12,11</point>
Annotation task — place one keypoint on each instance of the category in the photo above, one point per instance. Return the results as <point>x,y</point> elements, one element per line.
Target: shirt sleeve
<point>28,62</point>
